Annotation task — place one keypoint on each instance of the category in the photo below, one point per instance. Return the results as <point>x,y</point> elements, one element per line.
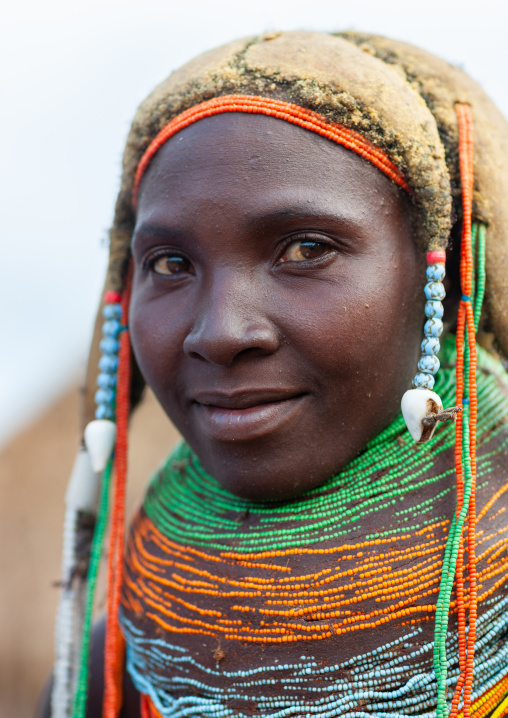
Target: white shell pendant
<point>100,436</point>
<point>415,405</point>
<point>83,489</point>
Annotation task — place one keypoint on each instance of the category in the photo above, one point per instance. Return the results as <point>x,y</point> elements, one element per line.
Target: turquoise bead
<point>433,328</point>
<point>104,411</point>
<point>434,309</point>
<point>104,396</point>
<point>436,272</point>
<point>106,381</point>
<point>108,364</point>
<point>434,290</point>
<point>112,311</point>
<point>429,364</point>
<point>423,381</point>
<point>430,345</point>
<point>109,345</point>
<point>111,328</point>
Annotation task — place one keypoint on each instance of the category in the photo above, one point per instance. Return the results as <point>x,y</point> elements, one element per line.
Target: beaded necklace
<point>189,522</point>
<point>388,467</point>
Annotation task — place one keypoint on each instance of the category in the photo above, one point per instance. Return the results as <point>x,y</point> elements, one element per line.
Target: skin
<point>277,298</point>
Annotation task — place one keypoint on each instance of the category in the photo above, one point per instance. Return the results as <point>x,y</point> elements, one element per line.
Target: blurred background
<point>72,74</point>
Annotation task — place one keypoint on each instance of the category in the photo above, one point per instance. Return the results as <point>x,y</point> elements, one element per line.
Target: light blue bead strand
<point>436,272</point>
<point>430,345</point>
<point>433,328</point>
<point>435,291</point>
<point>434,309</point>
<point>108,363</point>
<point>429,364</point>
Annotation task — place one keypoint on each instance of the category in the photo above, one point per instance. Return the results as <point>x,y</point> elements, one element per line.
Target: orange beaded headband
<point>273,108</point>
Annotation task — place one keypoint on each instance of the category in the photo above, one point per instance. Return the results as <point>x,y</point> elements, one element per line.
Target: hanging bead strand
<point>428,365</point>
<point>420,402</point>
<point>100,435</point>
<point>114,645</point>
<point>108,363</point>
<point>81,502</point>
<point>466,155</point>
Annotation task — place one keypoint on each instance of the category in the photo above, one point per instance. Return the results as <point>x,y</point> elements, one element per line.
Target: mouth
<point>246,415</point>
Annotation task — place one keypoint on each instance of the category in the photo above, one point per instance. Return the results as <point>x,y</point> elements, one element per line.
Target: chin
<point>262,478</point>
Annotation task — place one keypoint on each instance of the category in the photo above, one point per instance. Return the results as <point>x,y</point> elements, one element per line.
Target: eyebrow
<point>156,230</point>
<point>266,220</point>
<point>260,222</point>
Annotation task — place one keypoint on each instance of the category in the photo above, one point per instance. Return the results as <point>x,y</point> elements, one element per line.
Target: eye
<point>305,250</point>
<point>170,265</point>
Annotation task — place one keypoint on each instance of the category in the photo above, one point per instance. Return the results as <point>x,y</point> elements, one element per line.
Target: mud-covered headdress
<point>409,113</point>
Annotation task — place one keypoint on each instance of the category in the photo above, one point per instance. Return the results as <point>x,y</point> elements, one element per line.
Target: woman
<point>296,556</point>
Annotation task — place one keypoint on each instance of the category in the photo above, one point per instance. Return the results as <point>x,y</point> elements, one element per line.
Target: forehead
<point>241,159</point>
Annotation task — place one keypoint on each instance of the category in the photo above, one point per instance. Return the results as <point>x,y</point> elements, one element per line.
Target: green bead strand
<point>189,506</point>
<point>80,699</point>
<point>480,274</point>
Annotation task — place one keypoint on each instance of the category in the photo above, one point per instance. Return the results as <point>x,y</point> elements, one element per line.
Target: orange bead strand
<point>114,643</point>
<point>466,320</point>
<point>273,108</point>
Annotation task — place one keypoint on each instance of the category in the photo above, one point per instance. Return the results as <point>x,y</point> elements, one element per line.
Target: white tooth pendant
<point>416,405</point>
<point>100,436</point>
<point>420,401</point>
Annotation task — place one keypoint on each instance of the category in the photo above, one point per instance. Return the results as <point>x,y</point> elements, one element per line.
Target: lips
<point>245,415</point>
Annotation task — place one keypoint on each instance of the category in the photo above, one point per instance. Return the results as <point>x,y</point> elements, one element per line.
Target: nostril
<point>231,342</point>
<point>196,355</point>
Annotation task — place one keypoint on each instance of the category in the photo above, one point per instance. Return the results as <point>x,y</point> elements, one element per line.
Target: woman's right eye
<point>170,265</point>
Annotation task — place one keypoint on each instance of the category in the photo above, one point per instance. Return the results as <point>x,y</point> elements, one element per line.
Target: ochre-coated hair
<point>398,97</point>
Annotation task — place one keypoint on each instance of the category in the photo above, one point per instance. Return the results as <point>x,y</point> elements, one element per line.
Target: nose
<point>232,321</point>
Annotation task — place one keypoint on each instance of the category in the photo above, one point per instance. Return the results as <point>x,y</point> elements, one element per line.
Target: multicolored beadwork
<point>202,562</point>
<point>100,436</point>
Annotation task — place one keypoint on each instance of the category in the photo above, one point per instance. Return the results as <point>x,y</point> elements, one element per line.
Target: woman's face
<point>277,303</point>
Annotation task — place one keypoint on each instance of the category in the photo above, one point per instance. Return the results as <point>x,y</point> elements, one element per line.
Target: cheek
<point>156,337</point>
<point>388,325</point>
<point>366,329</point>
<point>392,306</point>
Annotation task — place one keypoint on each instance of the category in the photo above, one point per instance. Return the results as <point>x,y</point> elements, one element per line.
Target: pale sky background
<point>71,76</point>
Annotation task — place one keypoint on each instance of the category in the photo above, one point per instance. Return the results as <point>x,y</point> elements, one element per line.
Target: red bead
<point>112,297</point>
<point>436,257</point>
